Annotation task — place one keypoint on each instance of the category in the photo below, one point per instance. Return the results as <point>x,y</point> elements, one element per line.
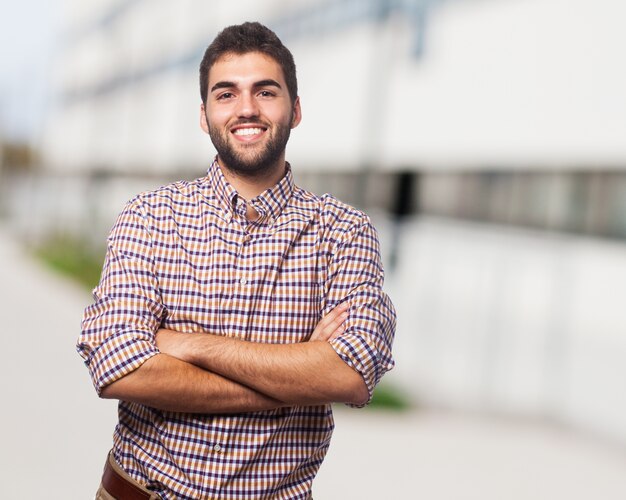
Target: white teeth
<point>248,131</point>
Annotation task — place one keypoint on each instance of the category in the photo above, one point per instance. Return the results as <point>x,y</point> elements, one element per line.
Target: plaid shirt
<point>184,257</point>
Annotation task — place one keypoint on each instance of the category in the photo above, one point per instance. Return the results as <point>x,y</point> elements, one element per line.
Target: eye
<point>266,93</point>
<point>225,95</point>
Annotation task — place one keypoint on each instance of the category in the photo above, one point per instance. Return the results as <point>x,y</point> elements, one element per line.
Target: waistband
<point>120,485</point>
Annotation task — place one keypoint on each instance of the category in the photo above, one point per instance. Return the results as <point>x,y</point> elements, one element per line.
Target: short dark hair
<point>245,38</point>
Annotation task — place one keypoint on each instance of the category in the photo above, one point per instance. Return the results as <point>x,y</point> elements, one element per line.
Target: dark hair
<point>244,38</point>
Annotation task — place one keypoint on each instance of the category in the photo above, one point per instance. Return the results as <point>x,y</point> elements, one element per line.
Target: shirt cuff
<point>358,355</point>
<point>118,356</point>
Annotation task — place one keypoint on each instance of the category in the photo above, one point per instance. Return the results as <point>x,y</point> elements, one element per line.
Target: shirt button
<point>243,281</point>
<point>217,448</point>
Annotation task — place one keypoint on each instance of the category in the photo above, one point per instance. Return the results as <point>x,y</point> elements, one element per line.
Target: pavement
<point>56,432</point>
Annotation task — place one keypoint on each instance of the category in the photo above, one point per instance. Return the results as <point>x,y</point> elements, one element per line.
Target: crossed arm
<point>213,374</point>
<point>207,373</point>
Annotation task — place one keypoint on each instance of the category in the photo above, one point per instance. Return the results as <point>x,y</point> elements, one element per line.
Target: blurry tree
<point>17,156</point>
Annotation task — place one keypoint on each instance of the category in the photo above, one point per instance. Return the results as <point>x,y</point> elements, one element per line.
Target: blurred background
<point>486,138</point>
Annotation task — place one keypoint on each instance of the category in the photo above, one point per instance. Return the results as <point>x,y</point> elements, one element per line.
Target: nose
<point>247,107</point>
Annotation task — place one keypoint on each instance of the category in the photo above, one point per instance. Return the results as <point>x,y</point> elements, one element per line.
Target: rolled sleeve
<point>356,275</point>
<point>118,329</point>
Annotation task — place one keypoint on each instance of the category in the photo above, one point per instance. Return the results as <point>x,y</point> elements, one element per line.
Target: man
<point>233,309</point>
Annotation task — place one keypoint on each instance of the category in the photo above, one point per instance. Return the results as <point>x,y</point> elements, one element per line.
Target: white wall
<point>511,321</point>
<point>501,84</point>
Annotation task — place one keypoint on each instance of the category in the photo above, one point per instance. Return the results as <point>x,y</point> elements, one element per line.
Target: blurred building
<point>485,136</point>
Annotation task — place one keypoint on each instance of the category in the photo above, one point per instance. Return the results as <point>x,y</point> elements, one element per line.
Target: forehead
<point>245,68</point>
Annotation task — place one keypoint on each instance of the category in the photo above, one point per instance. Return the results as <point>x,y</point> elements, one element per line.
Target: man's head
<point>249,106</point>
<point>244,38</point>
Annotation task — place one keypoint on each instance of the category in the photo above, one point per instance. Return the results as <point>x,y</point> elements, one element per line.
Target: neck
<point>249,187</point>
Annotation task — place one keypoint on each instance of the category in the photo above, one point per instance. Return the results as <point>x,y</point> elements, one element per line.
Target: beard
<point>250,160</point>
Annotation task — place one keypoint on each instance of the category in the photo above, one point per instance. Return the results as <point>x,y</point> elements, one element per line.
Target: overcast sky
<point>28,43</point>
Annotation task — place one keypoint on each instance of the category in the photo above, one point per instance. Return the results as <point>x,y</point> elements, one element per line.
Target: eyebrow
<point>262,83</point>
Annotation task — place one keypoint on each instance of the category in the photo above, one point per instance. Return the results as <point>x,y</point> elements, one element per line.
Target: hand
<point>172,343</point>
<point>331,325</point>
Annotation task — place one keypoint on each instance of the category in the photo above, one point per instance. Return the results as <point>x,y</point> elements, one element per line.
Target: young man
<point>233,309</point>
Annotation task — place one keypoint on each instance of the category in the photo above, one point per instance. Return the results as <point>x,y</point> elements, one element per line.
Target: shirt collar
<point>224,192</point>
<point>269,204</point>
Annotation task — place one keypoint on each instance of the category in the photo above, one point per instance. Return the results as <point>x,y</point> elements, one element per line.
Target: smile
<point>248,131</point>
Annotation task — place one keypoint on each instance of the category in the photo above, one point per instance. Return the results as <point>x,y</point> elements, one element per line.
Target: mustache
<point>249,121</point>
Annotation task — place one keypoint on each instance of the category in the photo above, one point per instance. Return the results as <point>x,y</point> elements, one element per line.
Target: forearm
<point>167,383</point>
<point>305,373</point>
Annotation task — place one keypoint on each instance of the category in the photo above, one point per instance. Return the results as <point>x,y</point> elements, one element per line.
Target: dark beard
<point>250,166</point>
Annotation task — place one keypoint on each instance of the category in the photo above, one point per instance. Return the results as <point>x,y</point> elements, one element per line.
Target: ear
<point>297,113</point>
<point>204,124</point>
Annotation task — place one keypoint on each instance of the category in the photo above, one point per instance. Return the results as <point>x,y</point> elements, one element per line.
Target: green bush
<point>74,258</point>
<point>388,397</point>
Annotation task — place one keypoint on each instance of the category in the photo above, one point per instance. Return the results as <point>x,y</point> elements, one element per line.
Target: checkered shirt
<point>185,258</point>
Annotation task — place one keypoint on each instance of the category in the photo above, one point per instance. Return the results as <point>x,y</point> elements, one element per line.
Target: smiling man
<point>234,309</point>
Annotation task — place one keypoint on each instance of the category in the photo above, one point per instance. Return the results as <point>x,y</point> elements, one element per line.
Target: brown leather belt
<point>120,487</point>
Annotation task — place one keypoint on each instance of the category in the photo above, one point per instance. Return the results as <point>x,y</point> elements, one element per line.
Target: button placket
<point>245,240</point>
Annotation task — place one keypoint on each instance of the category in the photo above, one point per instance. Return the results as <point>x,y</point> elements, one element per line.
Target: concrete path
<point>56,432</point>
<point>438,456</point>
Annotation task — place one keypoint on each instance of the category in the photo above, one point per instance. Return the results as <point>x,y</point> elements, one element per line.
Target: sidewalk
<point>56,432</point>
<point>439,456</point>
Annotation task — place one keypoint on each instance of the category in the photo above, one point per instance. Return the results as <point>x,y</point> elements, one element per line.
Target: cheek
<point>217,117</point>
<point>280,115</point>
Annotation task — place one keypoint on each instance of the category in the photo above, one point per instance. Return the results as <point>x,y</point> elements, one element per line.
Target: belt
<point>120,487</point>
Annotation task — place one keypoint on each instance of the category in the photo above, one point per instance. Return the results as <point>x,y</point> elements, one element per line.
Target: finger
<point>333,314</point>
<point>337,322</point>
<point>341,307</point>
<point>326,322</point>
<point>327,330</point>
<point>339,331</point>
<point>329,323</point>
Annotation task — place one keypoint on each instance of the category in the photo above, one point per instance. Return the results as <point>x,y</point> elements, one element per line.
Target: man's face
<point>248,113</point>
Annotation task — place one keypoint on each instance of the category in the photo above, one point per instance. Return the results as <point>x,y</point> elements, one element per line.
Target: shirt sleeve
<point>118,329</point>
<point>356,275</point>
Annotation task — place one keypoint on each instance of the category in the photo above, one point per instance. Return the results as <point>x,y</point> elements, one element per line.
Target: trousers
<point>103,494</point>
